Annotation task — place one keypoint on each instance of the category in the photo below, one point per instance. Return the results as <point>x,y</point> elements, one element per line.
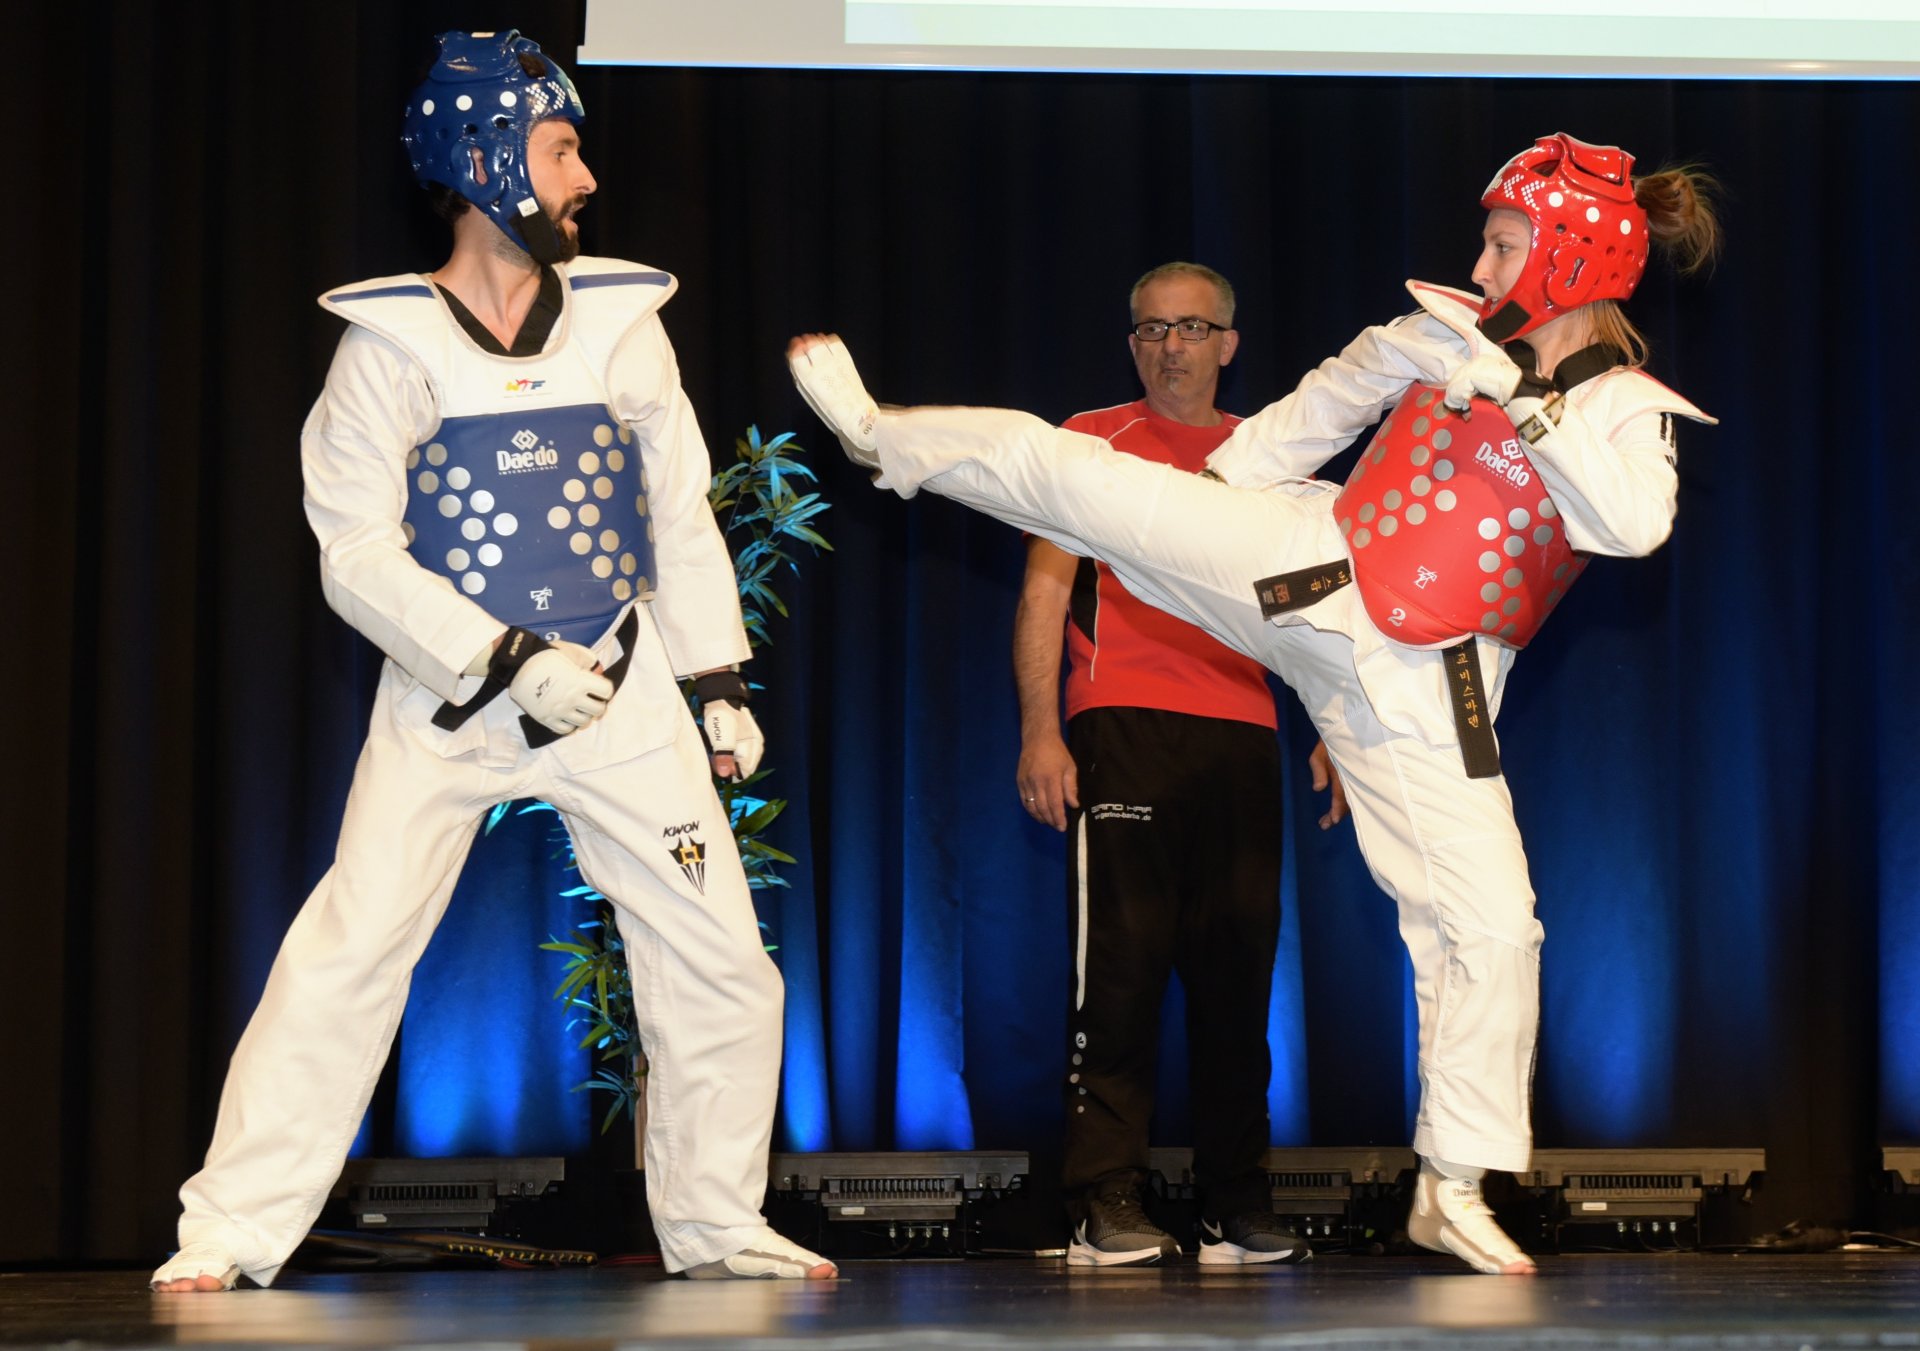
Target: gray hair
<point>1200,270</point>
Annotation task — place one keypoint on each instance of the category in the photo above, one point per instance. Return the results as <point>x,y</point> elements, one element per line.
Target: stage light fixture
<point>1637,1198</point>
<point>463,1194</point>
<point>907,1204</point>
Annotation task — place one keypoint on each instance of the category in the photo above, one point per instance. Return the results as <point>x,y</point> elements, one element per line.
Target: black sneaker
<point>1250,1237</point>
<point>1117,1233</point>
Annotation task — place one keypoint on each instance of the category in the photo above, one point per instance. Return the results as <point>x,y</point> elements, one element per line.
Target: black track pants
<point>1173,864</point>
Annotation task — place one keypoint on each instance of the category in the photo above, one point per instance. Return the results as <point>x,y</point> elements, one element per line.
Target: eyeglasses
<point>1190,330</point>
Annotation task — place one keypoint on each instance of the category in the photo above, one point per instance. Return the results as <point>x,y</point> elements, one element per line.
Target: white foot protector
<point>1450,1215</point>
<point>825,374</point>
<point>197,1259</point>
<point>769,1257</point>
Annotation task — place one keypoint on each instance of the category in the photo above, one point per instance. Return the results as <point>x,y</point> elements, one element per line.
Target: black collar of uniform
<point>1575,369</point>
<point>531,340</point>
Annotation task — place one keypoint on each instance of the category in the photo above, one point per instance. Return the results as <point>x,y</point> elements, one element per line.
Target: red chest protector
<point>1452,532</point>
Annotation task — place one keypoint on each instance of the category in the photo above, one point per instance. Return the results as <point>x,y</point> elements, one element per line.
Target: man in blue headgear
<point>469,131</point>
<point>510,495</point>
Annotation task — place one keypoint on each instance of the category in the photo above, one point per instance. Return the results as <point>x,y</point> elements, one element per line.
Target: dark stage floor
<point>1829,1300</point>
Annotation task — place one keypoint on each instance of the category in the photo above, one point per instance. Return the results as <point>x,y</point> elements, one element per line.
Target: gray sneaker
<point>1117,1233</point>
<point>1248,1238</point>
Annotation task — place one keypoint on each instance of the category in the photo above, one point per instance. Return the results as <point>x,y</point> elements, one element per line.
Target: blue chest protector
<point>530,496</point>
<point>539,515</point>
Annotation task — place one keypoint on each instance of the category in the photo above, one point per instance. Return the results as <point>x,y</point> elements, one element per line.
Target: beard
<point>569,239</point>
<point>514,247</point>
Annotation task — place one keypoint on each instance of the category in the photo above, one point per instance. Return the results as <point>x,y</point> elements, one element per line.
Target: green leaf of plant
<point>759,820</point>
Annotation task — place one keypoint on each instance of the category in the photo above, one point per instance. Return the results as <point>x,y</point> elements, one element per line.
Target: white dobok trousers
<point>707,997</point>
<point>1443,846</point>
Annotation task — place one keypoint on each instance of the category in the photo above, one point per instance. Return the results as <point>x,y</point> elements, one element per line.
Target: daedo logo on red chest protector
<point>1508,462</point>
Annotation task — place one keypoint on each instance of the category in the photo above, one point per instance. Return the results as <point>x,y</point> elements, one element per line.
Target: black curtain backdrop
<point>1713,750</point>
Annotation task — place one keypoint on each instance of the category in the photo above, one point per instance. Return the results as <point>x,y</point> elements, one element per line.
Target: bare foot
<point>770,1257</point>
<point>197,1269</point>
<point>803,341</point>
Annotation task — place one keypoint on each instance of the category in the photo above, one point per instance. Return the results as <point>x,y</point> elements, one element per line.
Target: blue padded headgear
<point>483,94</point>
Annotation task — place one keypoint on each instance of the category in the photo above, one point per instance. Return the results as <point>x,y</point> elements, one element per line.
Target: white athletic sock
<point>1454,1172</point>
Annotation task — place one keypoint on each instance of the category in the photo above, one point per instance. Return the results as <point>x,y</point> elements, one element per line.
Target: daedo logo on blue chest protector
<point>528,455</point>
<point>539,515</point>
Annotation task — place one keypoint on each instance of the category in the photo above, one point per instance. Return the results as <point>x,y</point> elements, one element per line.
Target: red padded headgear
<point>1589,235</point>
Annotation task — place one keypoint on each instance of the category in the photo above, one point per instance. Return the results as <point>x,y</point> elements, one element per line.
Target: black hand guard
<point>723,686</point>
<point>516,648</point>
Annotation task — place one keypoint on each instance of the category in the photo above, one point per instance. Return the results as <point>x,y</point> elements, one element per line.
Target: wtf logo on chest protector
<point>689,851</point>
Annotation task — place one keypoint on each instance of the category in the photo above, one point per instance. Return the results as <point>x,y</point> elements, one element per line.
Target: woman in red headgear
<point>1523,437</point>
<point>1587,468</point>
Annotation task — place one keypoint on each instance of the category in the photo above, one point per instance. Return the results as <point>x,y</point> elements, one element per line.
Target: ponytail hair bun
<point>1681,216</point>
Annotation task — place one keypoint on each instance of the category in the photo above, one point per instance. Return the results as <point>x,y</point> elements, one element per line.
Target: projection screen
<point>1794,39</point>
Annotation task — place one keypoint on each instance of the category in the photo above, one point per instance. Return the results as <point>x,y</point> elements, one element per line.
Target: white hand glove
<point>824,372</point>
<point>559,688</point>
<point>1491,374</point>
<point>731,730</point>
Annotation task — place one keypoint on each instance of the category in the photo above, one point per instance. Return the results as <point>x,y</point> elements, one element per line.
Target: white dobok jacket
<point>455,491</point>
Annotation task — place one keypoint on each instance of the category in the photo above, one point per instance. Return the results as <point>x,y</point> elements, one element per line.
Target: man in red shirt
<point>1169,780</point>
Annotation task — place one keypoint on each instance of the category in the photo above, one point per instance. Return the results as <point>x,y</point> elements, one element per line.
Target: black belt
<point>451,716</point>
<point>1296,590</point>
<point>1472,715</point>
